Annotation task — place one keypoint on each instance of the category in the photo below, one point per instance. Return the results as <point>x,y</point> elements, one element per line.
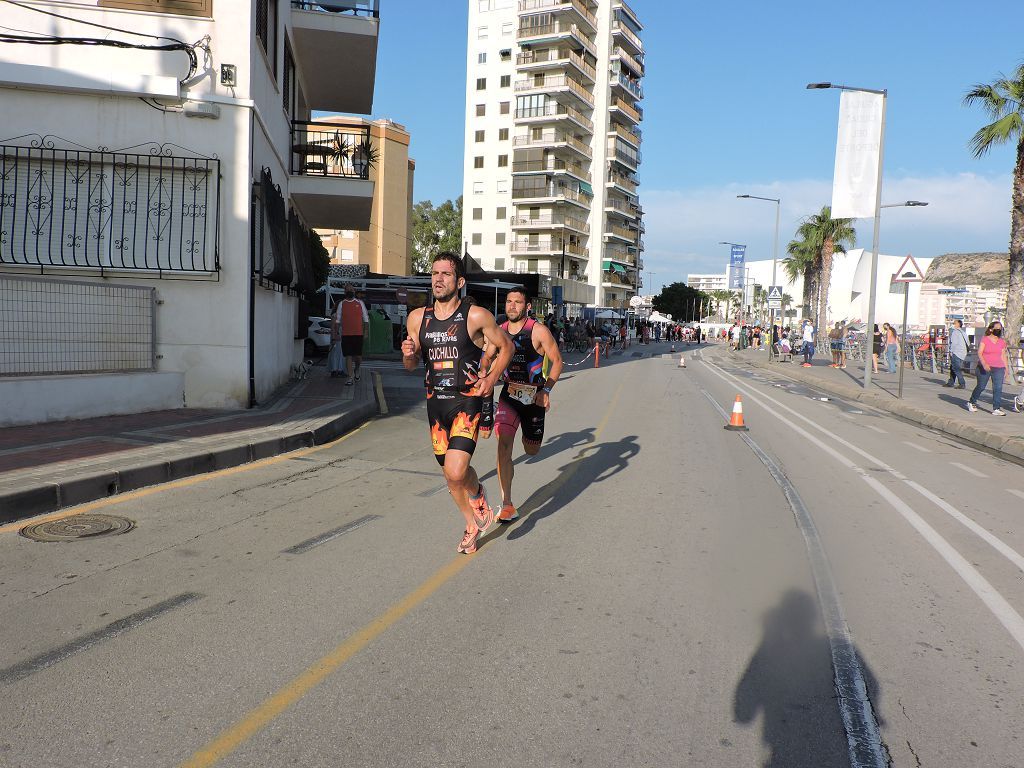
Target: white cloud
<point>966,212</point>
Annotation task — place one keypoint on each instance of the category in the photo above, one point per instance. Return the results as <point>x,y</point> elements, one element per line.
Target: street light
<point>775,247</point>
<point>878,212</point>
<point>907,204</point>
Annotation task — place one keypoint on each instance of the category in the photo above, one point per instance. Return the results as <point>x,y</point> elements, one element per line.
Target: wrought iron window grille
<point>149,207</point>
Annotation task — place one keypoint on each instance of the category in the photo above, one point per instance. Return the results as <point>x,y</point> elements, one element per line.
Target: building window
<point>503,185</point>
<point>506,28</point>
<point>478,161</point>
<point>499,239</point>
<point>501,212</point>
<point>478,187</point>
<point>506,81</point>
<point>478,136</point>
<point>481,110</point>
<point>503,161</point>
<point>481,83</point>
<point>503,134</point>
<point>503,107</point>
<point>266,26</point>
<point>481,33</point>
<point>288,81</point>
<point>481,58</point>
<point>499,264</point>
<point>184,7</point>
<point>483,6</point>
<point>477,238</point>
<point>347,254</point>
<point>505,54</point>
<point>478,213</point>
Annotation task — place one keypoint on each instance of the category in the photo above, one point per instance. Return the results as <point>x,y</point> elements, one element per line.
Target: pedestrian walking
<point>449,337</point>
<point>957,355</point>
<point>993,363</point>
<point>835,343</point>
<point>349,321</point>
<point>877,347</point>
<point>336,360</point>
<point>892,347</point>
<point>808,343</point>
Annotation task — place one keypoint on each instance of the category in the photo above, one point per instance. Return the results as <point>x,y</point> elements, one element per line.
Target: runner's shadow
<point>789,682</point>
<point>592,464</point>
<point>564,442</point>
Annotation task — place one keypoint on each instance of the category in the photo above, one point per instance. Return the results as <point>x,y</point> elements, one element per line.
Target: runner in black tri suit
<point>449,335</point>
<point>526,394</point>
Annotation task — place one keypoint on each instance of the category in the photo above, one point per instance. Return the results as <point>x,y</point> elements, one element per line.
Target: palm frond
<point>1006,129</point>
<point>989,96</point>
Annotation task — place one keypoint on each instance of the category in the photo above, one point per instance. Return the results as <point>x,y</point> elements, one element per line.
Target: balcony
<point>620,32</point>
<point>635,63</point>
<point>630,135</point>
<point>622,233</point>
<point>549,247</point>
<point>620,107</point>
<point>558,30</point>
<point>550,222</point>
<point>622,182</point>
<point>335,49</point>
<point>329,174</point>
<point>550,165</point>
<point>552,193</point>
<point>553,140</point>
<point>631,86</point>
<point>555,57</point>
<point>554,6</point>
<point>551,112</point>
<point>630,158</point>
<point>557,84</point>
<point>625,207</point>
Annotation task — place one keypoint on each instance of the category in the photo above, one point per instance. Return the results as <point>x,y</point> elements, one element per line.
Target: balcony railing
<point>623,232</point>
<point>550,191</point>
<point>622,181</point>
<point>633,87</point>
<point>556,111</point>
<point>634,62</point>
<point>624,206</point>
<point>552,165</point>
<point>547,138</point>
<point>547,246</point>
<point>526,6</point>
<point>555,56</point>
<point>632,159</point>
<point>635,113</point>
<point>556,28</point>
<point>543,222</point>
<point>331,149</point>
<point>634,137</point>
<point>616,278</point>
<point>556,81</point>
<point>368,8</point>
<point>618,28</point>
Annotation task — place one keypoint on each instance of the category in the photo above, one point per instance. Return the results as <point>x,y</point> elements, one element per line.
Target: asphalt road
<point>659,604</point>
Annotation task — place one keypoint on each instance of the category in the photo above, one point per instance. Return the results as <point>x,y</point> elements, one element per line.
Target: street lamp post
<point>775,246</point>
<point>878,212</point>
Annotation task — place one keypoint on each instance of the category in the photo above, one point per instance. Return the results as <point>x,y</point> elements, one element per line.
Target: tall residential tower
<point>553,141</point>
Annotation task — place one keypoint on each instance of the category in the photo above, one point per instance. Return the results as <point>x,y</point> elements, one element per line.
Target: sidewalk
<point>925,401</point>
<point>46,467</point>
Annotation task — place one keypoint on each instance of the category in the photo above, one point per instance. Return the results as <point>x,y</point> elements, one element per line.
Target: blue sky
<point>727,113</point>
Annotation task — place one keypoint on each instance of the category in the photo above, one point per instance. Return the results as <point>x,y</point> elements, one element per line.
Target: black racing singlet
<point>451,358</point>
<point>527,364</point>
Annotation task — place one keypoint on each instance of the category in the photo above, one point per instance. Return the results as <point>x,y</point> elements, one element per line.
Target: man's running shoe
<point>507,514</point>
<point>468,544</point>
<point>483,515</point>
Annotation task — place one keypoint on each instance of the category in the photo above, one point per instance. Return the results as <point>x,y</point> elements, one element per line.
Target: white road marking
<point>915,446</point>
<point>968,470</point>
<point>1015,492</point>
<point>879,430</point>
<point>994,601</point>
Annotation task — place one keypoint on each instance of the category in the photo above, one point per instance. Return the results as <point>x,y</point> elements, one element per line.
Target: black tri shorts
<point>454,423</point>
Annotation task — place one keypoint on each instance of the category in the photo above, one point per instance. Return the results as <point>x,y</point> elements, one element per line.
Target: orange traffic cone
<point>682,361</point>
<point>736,420</point>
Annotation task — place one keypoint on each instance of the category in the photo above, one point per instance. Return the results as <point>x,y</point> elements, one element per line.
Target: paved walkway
<point>45,467</point>
<point>925,401</point>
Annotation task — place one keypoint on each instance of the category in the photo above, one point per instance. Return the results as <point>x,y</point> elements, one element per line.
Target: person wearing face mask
<point>993,363</point>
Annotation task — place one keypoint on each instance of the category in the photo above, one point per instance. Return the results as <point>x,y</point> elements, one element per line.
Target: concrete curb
<point>53,496</point>
<point>1009,448</point>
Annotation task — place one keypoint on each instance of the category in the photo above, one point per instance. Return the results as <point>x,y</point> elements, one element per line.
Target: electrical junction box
<point>201,109</point>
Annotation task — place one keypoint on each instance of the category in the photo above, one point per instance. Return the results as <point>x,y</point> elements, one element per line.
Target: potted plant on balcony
<point>364,157</point>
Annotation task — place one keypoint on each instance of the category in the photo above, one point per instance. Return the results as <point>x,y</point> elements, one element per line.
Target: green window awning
<point>586,188</point>
<point>614,267</point>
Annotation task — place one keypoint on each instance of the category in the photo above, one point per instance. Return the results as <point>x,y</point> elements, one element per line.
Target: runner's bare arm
<point>499,346</point>
<point>411,344</point>
<point>545,343</point>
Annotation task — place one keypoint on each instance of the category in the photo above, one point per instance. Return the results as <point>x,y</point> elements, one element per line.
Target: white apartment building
<point>553,144</point>
<point>159,181</point>
<point>942,304</point>
<point>708,283</point>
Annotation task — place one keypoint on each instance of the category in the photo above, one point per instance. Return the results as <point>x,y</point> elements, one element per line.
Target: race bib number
<point>522,393</point>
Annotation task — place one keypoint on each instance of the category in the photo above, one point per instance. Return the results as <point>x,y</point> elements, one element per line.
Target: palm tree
<point>803,262</point>
<point>1003,100</point>
<point>719,296</point>
<point>827,236</point>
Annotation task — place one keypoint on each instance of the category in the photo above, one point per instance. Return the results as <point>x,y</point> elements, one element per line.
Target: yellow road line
<point>175,484</point>
<point>257,719</point>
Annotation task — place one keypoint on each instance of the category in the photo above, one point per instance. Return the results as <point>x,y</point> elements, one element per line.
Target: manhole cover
<point>77,527</point>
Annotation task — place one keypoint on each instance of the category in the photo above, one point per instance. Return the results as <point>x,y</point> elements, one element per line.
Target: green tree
<point>681,301</point>
<point>719,297</point>
<point>826,236</point>
<point>435,230</point>
<point>803,262</point>
<point>1003,100</point>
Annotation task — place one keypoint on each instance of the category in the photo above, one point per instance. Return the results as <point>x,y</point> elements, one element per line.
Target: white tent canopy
<point>657,317</point>
<point>608,314</point>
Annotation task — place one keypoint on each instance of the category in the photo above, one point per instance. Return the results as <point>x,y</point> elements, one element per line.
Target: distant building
<point>942,304</point>
<point>708,283</point>
<point>385,247</point>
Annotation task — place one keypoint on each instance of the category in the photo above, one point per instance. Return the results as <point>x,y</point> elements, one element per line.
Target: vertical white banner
<point>858,152</point>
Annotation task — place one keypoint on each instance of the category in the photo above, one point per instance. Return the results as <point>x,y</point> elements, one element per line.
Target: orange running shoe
<point>483,515</point>
<point>468,544</point>
<point>507,514</point>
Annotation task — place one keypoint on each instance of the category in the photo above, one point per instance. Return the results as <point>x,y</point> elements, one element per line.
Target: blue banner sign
<point>738,255</point>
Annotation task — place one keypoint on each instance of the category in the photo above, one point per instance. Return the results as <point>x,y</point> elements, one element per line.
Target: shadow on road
<point>789,682</point>
<point>592,464</point>
<point>566,441</point>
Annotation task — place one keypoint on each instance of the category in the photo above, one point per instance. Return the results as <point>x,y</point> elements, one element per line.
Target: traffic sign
<point>775,292</point>
<point>909,272</point>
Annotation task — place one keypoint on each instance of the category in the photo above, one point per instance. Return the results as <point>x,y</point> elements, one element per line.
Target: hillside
<point>989,270</point>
